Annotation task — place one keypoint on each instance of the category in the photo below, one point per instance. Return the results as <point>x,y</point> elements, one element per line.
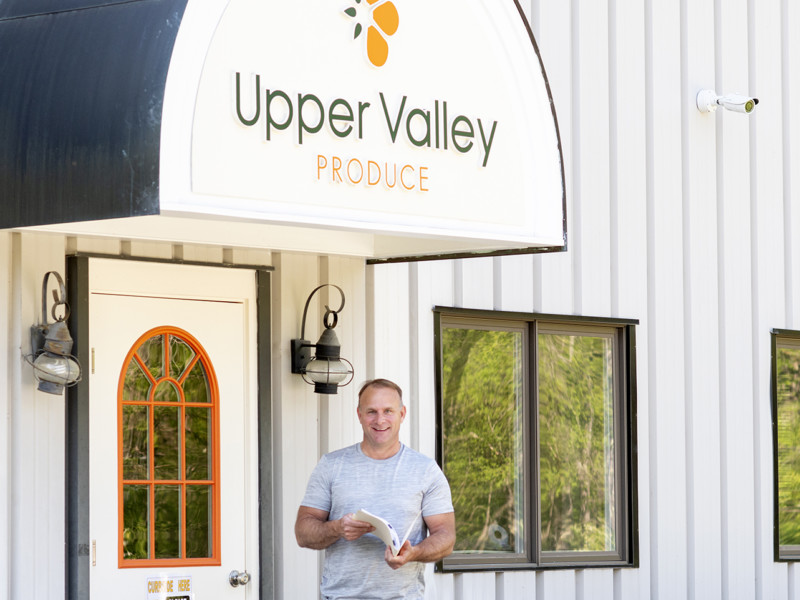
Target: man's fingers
<point>353,528</point>
<point>359,524</point>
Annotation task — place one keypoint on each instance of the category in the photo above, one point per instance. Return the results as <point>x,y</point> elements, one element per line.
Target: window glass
<point>198,443</point>
<point>151,353</point>
<point>483,450</point>
<point>166,392</point>
<point>576,443</point>
<point>787,391</point>
<point>166,442</point>
<point>136,387</point>
<point>199,511</point>
<point>195,386</point>
<point>180,355</point>
<point>135,420</point>
<point>167,525</point>
<point>136,502</point>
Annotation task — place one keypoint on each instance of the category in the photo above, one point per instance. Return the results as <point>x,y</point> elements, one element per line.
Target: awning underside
<point>80,108</point>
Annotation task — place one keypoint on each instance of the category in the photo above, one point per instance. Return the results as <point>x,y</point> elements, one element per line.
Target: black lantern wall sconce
<point>54,367</point>
<point>326,371</point>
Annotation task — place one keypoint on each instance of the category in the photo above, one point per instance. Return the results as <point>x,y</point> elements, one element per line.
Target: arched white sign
<point>416,119</point>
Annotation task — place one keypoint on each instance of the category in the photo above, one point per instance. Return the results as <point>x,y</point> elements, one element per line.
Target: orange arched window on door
<point>168,436</point>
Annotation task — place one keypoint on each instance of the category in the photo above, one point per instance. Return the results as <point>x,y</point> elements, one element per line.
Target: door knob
<point>236,579</point>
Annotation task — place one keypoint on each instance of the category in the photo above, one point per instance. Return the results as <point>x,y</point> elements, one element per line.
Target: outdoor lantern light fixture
<point>326,371</point>
<point>53,365</point>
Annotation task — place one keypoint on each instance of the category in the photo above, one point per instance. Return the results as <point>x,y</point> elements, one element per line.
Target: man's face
<point>380,413</point>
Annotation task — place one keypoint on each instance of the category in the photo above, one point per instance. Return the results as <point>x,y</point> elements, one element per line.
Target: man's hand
<point>313,529</point>
<point>439,543</point>
<point>406,555</point>
<point>353,529</point>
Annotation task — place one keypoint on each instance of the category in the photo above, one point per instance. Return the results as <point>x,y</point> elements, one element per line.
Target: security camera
<point>708,101</point>
<point>737,103</point>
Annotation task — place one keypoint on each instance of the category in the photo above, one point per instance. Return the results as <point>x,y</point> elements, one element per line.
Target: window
<point>786,442</point>
<point>536,436</point>
<point>168,453</point>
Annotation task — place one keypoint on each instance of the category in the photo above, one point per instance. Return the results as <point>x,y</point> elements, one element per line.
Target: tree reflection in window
<point>786,391</point>
<point>169,429</point>
<point>535,437</point>
<point>483,437</point>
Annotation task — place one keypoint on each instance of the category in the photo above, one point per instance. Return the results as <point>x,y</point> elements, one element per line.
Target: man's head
<point>380,412</point>
<point>380,383</point>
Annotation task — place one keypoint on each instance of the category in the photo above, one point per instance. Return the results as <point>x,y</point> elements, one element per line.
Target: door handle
<point>236,579</point>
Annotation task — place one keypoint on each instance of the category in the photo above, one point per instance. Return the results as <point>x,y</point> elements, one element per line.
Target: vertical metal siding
<point>6,389</point>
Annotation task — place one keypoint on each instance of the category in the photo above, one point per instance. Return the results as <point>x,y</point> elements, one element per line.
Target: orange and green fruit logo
<point>381,20</point>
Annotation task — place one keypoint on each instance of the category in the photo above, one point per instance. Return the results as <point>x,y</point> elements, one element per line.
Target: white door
<point>155,533</point>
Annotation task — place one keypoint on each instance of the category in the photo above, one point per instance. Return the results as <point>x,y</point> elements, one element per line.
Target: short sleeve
<point>318,490</point>
<point>437,498</point>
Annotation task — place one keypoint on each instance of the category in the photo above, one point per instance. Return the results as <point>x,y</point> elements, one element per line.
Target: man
<point>387,478</point>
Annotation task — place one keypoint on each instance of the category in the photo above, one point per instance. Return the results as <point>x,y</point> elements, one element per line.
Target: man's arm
<point>313,529</point>
<point>439,543</point>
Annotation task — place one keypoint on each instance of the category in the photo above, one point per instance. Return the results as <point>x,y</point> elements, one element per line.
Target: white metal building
<point>679,226</point>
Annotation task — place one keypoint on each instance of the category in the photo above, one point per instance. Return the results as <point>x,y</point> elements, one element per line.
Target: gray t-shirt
<point>395,489</point>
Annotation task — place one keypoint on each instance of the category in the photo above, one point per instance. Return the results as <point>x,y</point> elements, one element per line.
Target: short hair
<point>380,383</point>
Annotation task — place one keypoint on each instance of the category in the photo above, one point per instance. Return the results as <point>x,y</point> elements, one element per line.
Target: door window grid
<point>168,453</point>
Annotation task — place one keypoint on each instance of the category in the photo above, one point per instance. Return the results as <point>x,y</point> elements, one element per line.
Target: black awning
<point>81,95</point>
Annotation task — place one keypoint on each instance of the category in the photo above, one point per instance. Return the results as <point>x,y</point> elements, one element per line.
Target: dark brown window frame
<point>779,338</point>
<point>627,554</point>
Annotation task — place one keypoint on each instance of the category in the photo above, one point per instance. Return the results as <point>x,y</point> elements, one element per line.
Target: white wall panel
<point>590,240</point>
<point>475,586</point>
<point>516,584</point>
<point>389,343</point>
<point>338,420</point>
<point>555,585</point>
<point>94,245</point>
<point>554,291</point>
<point>665,393</point>
<point>736,343</point>
<point>628,183</point>
<point>701,301</point>
<point>433,285</point>
<point>633,584</point>
<point>595,584</point>
<point>390,329</point>
<point>297,430</point>
<point>791,172</point>
<point>211,254</point>
<point>248,256</point>
<point>793,581</point>
<point>768,270</point>
<point>36,436</point>
<point>439,586</point>
<point>6,389</point>
<point>162,250</point>
<point>475,283</point>
<point>514,288</point>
